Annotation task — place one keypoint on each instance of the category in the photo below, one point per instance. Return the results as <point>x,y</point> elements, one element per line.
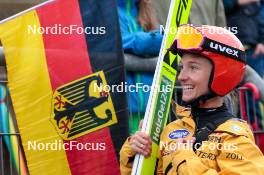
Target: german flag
<point>60,58</point>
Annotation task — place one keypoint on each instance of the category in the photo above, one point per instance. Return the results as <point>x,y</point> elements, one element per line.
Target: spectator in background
<point>203,12</point>
<point>162,10</point>
<point>250,30</point>
<point>140,37</point>
<point>248,17</point>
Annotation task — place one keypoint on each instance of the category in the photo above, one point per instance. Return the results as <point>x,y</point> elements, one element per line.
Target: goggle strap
<point>223,49</point>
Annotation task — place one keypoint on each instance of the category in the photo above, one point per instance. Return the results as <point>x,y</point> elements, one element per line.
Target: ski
<point>158,106</point>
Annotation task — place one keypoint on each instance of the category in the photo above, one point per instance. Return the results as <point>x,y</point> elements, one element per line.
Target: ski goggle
<point>191,39</point>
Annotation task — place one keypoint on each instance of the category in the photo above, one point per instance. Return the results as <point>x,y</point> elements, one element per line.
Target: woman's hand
<point>259,50</point>
<point>141,143</point>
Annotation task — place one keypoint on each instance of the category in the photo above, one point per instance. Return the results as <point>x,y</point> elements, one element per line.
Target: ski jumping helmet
<point>221,47</point>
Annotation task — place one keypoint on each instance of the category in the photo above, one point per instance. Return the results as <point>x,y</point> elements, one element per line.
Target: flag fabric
<point>60,58</point>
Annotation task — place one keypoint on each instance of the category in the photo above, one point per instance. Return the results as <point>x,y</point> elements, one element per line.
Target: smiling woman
<point>194,76</point>
<point>206,139</point>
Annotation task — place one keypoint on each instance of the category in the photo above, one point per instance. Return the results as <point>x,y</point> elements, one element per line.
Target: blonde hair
<point>147,17</point>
